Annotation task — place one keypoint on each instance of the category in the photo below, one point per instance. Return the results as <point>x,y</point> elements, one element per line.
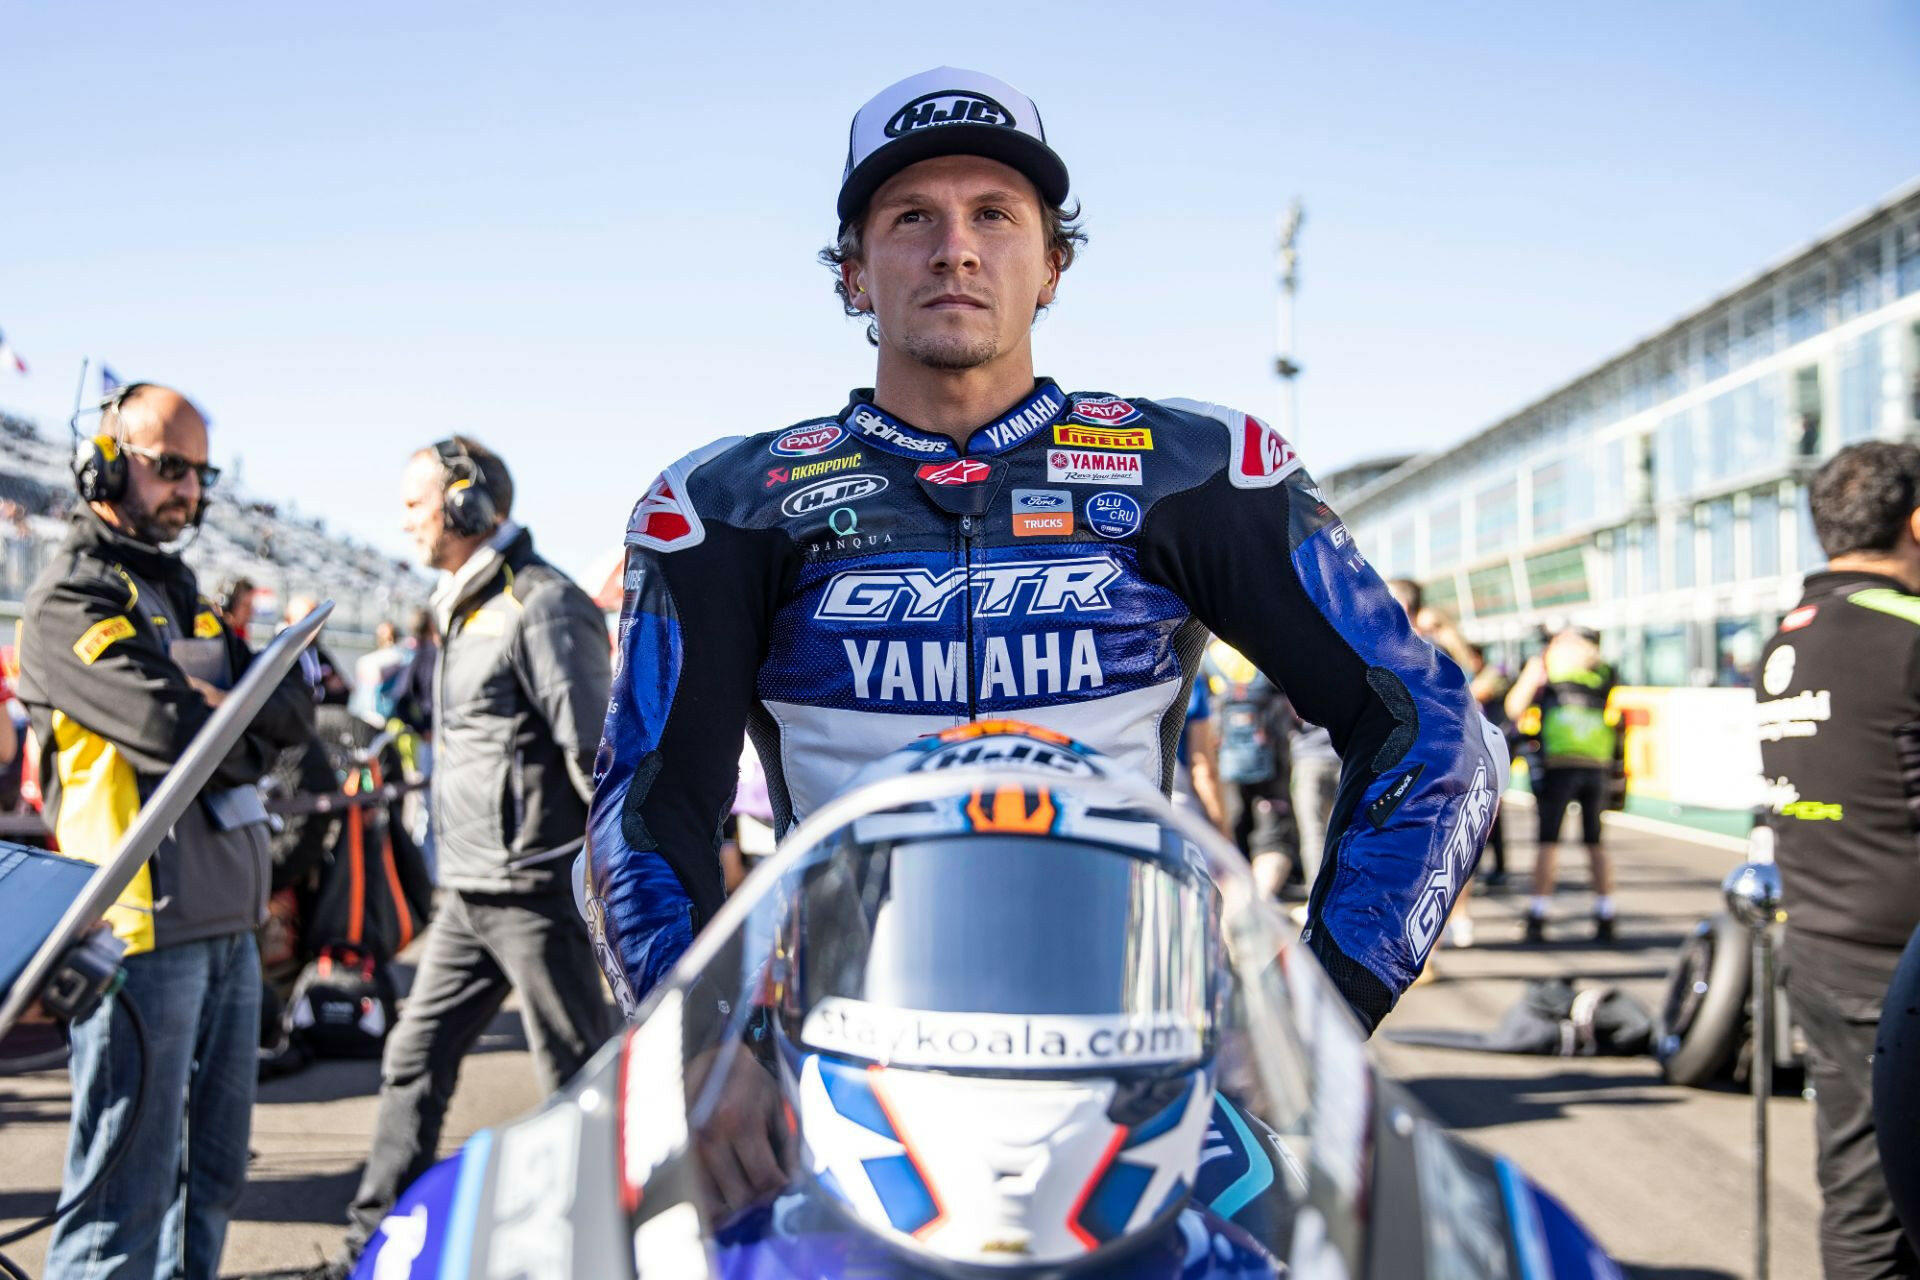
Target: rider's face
<point>953,262</point>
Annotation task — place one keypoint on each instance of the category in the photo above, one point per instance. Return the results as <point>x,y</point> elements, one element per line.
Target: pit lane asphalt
<point>1662,1175</point>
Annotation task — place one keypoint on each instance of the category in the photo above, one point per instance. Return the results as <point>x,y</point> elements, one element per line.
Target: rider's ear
<point>852,277</point>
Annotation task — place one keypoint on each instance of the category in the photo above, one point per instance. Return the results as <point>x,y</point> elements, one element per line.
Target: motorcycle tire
<point>1703,1014</point>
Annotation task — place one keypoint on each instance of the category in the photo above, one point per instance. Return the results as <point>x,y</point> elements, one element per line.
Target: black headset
<point>467,502</point>
<point>99,463</point>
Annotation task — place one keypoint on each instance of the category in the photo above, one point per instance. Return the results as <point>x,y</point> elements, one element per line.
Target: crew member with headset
<point>520,694</point>
<point>1839,715</point>
<point>122,662</point>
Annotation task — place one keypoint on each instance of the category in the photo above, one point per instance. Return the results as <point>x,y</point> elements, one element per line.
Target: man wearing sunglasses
<point>122,662</point>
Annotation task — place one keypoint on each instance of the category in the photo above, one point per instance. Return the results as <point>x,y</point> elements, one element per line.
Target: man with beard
<point>122,662</point>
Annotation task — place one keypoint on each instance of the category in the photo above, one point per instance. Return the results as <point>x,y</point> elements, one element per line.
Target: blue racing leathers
<point>841,587</point>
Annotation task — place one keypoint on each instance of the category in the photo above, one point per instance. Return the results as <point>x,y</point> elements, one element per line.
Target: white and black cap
<point>943,112</point>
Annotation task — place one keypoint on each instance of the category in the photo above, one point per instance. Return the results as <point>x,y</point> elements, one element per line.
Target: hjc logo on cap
<point>949,106</point>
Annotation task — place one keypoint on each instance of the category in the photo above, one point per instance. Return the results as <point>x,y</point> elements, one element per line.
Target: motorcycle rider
<point>965,540</point>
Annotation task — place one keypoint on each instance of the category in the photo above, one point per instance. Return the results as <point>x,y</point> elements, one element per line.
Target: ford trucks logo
<point>837,492</point>
<point>949,106</point>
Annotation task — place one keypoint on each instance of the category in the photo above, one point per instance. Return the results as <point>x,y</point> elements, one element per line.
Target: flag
<point>109,382</point>
<point>9,356</point>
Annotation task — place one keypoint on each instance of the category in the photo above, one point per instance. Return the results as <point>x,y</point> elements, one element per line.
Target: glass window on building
<point>1443,593</point>
<point>1670,371</point>
<point>1716,349</point>
<point>1720,540</point>
<point>1681,532</point>
<point>1550,498</point>
<point>1610,481</point>
<point>1912,389</point>
<point>1646,538</point>
<point>1743,430</point>
<point>1491,590</point>
<point>1443,536</point>
<point>1861,390</point>
<point>1763,533</point>
<point>1906,256</point>
<point>1806,542</point>
<point>1664,655</point>
<point>1400,550</point>
<point>1557,578</point>
<point>1673,468</point>
<point>1756,331</point>
<point>1619,550</point>
<point>1859,290</point>
<point>1496,518</point>
<point>1736,651</point>
<point>1806,412</point>
<point>1807,305</point>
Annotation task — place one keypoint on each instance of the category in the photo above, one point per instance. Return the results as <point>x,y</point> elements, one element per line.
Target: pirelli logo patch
<point>100,637</point>
<point>1080,437</point>
<point>205,625</point>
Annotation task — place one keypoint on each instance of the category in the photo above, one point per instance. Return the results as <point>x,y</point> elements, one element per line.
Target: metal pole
<point>1753,896</point>
<point>1762,1087</point>
<point>1283,361</point>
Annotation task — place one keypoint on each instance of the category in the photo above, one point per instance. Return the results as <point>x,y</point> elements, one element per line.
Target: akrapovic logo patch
<point>949,106</point>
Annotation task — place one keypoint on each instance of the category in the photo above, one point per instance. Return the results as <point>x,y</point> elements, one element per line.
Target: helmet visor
<point>991,952</point>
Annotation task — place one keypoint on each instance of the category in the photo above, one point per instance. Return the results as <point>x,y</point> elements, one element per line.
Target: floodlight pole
<point>1283,361</point>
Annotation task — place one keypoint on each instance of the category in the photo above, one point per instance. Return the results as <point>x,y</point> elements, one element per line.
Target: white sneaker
<point>1460,931</point>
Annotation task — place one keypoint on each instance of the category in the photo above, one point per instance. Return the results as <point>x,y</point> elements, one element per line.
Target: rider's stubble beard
<point>947,352</point>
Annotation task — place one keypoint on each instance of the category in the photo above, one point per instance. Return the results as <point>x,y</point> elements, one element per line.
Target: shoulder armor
<point>1258,457</point>
<point>665,518</point>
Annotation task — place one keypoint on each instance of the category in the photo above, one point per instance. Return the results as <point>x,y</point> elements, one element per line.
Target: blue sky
<point>585,234</point>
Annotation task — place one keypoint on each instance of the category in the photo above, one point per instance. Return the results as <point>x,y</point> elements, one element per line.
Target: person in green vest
<point>1561,697</point>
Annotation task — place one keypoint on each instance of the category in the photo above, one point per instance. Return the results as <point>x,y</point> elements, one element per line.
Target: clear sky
<point>585,234</point>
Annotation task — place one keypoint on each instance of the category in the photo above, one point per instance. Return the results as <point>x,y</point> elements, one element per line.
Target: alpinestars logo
<point>1443,883</point>
<point>920,595</point>
<point>962,471</point>
<point>872,424</point>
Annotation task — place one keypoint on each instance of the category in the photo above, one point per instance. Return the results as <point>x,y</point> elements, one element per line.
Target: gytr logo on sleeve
<point>1443,883</point>
<point>804,442</point>
<point>1078,466</point>
<point>1113,515</point>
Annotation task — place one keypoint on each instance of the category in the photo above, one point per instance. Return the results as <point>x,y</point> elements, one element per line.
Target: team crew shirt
<point>1839,706</point>
<point>841,587</point>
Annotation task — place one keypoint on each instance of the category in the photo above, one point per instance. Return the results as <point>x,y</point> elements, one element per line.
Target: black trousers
<point>1836,988</point>
<point>480,947</point>
<point>1260,814</point>
<point>1558,788</point>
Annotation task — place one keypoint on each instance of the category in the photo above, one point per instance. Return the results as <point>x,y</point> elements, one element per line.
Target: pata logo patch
<point>803,442</point>
<point>949,106</point>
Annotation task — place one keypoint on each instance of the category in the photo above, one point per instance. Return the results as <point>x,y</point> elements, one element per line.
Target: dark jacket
<point>113,628</point>
<point>1839,708</point>
<point>519,699</point>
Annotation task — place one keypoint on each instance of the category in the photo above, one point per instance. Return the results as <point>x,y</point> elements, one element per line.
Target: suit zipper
<point>966,550</point>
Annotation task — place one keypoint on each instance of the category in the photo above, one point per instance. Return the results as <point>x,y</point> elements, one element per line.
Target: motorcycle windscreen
<point>905,937</point>
<point>1001,953</point>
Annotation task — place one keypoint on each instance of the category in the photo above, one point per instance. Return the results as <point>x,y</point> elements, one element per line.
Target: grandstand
<point>243,536</point>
